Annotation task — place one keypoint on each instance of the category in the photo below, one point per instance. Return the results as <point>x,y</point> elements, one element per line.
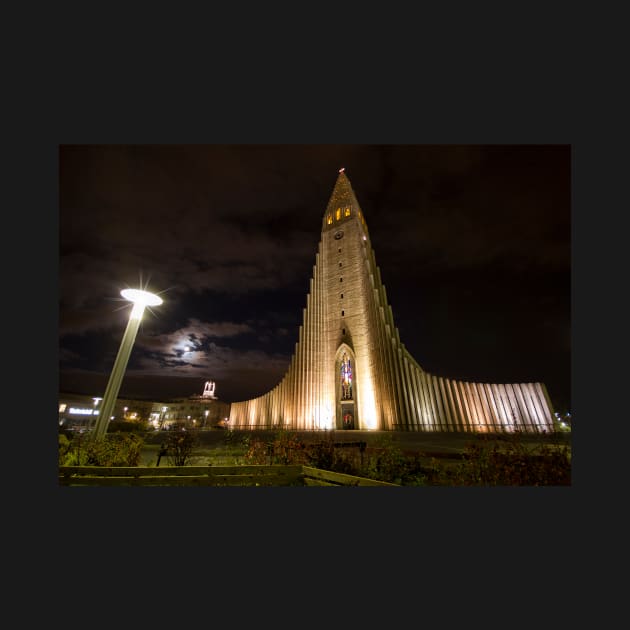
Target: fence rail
<point>252,475</point>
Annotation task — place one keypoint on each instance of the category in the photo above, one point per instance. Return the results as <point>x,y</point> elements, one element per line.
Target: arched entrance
<point>345,389</point>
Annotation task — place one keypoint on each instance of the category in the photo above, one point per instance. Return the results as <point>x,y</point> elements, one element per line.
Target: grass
<point>220,455</point>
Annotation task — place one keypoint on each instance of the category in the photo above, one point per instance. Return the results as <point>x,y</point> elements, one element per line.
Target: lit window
<point>347,211</point>
<point>346,378</point>
<point>338,214</point>
<point>329,219</point>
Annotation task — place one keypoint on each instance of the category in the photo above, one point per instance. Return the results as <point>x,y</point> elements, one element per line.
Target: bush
<point>487,461</point>
<point>321,455</point>
<point>509,462</point>
<point>179,446</point>
<point>117,449</point>
<point>284,448</point>
<point>386,462</point>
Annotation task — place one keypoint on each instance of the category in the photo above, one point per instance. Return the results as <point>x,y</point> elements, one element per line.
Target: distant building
<point>350,369</point>
<point>79,411</point>
<point>203,411</point>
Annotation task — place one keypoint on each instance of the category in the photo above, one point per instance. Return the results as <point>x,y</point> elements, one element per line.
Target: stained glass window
<point>346,378</point>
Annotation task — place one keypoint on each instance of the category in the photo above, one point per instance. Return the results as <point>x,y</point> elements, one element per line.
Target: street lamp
<point>140,299</point>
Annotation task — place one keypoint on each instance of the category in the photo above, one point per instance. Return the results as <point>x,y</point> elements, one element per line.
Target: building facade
<point>77,411</point>
<point>350,370</point>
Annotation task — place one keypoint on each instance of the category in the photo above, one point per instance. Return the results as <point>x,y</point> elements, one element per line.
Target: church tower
<point>350,370</point>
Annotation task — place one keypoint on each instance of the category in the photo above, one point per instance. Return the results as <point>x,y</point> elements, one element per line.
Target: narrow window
<point>342,296</point>
<point>338,214</point>
<point>340,264</point>
<point>347,212</point>
<point>346,378</point>
<point>340,279</point>
<point>343,331</point>
<point>340,250</point>
<point>342,313</point>
<point>329,219</point>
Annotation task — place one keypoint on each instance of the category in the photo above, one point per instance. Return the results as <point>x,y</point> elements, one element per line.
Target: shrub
<point>257,452</point>
<point>284,448</point>
<point>117,449</point>
<point>508,462</point>
<point>321,455</point>
<point>180,445</point>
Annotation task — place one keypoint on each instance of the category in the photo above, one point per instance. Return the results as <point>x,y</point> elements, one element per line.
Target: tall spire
<point>342,194</point>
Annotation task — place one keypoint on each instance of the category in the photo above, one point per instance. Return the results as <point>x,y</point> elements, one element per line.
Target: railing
<point>252,475</point>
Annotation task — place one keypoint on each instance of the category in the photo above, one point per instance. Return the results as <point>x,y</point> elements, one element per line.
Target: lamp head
<point>141,297</point>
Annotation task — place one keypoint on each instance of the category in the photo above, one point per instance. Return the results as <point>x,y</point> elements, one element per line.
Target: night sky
<point>473,244</point>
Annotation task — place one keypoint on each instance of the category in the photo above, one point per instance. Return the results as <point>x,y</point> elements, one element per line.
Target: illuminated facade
<point>78,411</point>
<point>350,370</point>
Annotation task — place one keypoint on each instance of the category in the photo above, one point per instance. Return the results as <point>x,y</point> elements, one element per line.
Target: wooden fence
<point>254,475</point>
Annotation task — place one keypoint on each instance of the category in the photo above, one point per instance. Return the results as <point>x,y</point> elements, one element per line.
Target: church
<point>350,370</point>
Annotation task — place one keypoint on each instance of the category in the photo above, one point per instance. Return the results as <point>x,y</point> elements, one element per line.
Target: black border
<point>404,107</point>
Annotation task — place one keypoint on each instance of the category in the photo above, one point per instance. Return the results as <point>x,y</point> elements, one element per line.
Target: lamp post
<point>140,299</point>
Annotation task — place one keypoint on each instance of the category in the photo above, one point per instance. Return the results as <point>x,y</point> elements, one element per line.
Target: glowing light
<point>325,415</point>
<point>366,388</point>
<point>141,297</point>
<point>82,412</point>
<point>342,169</point>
